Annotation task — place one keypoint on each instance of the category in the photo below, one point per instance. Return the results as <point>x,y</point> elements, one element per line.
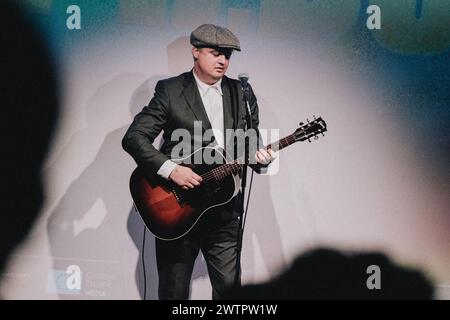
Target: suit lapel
<point>227,105</point>
<point>194,100</point>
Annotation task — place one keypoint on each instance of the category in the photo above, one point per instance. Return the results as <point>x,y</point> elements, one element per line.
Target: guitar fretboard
<point>234,167</point>
<point>282,143</point>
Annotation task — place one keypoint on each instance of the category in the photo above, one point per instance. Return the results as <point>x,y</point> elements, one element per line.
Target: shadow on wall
<point>328,274</point>
<point>86,226</point>
<point>262,230</point>
<point>29,112</point>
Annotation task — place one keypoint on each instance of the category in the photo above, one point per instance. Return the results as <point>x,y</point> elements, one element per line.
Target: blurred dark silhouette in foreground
<point>29,106</point>
<point>329,274</point>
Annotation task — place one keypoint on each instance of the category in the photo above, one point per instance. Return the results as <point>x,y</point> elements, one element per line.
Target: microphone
<point>243,77</point>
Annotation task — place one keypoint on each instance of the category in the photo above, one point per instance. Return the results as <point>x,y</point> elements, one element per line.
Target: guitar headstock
<point>310,130</point>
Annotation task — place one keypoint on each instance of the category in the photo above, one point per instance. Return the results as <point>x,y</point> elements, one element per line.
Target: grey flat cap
<point>210,35</point>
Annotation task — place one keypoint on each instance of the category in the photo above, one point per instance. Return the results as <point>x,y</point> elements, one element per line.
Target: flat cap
<point>210,35</point>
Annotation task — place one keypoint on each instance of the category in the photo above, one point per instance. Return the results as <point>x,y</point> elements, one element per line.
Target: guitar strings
<point>231,168</point>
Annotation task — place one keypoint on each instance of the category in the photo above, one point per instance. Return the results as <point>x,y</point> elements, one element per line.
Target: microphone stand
<point>248,125</point>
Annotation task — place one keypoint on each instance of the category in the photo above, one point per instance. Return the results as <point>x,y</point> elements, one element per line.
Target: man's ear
<point>195,52</point>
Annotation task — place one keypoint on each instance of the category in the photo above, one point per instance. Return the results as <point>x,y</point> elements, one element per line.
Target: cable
<point>248,201</point>
<point>240,239</point>
<point>143,263</point>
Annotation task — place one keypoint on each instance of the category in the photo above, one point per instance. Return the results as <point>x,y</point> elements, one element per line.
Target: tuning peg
<point>316,137</point>
<point>314,116</point>
<point>301,123</point>
<point>307,120</point>
<point>323,134</point>
<point>309,140</point>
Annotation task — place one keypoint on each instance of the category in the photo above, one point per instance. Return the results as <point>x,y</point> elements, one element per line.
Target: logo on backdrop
<point>65,281</point>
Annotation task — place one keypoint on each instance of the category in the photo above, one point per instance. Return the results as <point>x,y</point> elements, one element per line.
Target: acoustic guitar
<point>170,212</point>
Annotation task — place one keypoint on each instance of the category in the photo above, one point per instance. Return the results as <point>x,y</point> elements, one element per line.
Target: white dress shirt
<point>211,96</point>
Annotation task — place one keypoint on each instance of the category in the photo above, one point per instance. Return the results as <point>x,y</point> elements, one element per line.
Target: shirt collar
<point>203,87</point>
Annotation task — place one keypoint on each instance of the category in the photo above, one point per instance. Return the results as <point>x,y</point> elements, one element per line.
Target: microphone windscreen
<point>243,76</point>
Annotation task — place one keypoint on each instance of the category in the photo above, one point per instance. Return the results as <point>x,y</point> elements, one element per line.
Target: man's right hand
<point>185,177</point>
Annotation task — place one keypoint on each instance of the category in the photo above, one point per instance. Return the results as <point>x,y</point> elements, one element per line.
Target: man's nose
<point>222,59</point>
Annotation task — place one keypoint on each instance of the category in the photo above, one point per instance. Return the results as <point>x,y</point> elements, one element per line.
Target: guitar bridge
<point>177,196</point>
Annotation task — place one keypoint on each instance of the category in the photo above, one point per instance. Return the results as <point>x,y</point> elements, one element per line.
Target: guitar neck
<point>305,132</point>
<point>235,167</point>
<point>282,143</point>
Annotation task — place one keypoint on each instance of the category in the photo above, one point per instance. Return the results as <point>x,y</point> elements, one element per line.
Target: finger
<point>265,156</point>
<point>264,153</point>
<point>184,187</point>
<point>194,182</point>
<point>189,185</point>
<point>260,159</point>
<point>197,177</point>
<point>273,154</point>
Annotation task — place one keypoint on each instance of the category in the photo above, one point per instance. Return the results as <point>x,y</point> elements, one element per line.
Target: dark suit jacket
<point>177,104</point>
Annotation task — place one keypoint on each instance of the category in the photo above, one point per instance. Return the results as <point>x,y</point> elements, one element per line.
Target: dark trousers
<point>217,239</point>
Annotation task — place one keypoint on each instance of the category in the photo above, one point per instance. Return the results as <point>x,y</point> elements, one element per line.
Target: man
<point>203,94</point>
